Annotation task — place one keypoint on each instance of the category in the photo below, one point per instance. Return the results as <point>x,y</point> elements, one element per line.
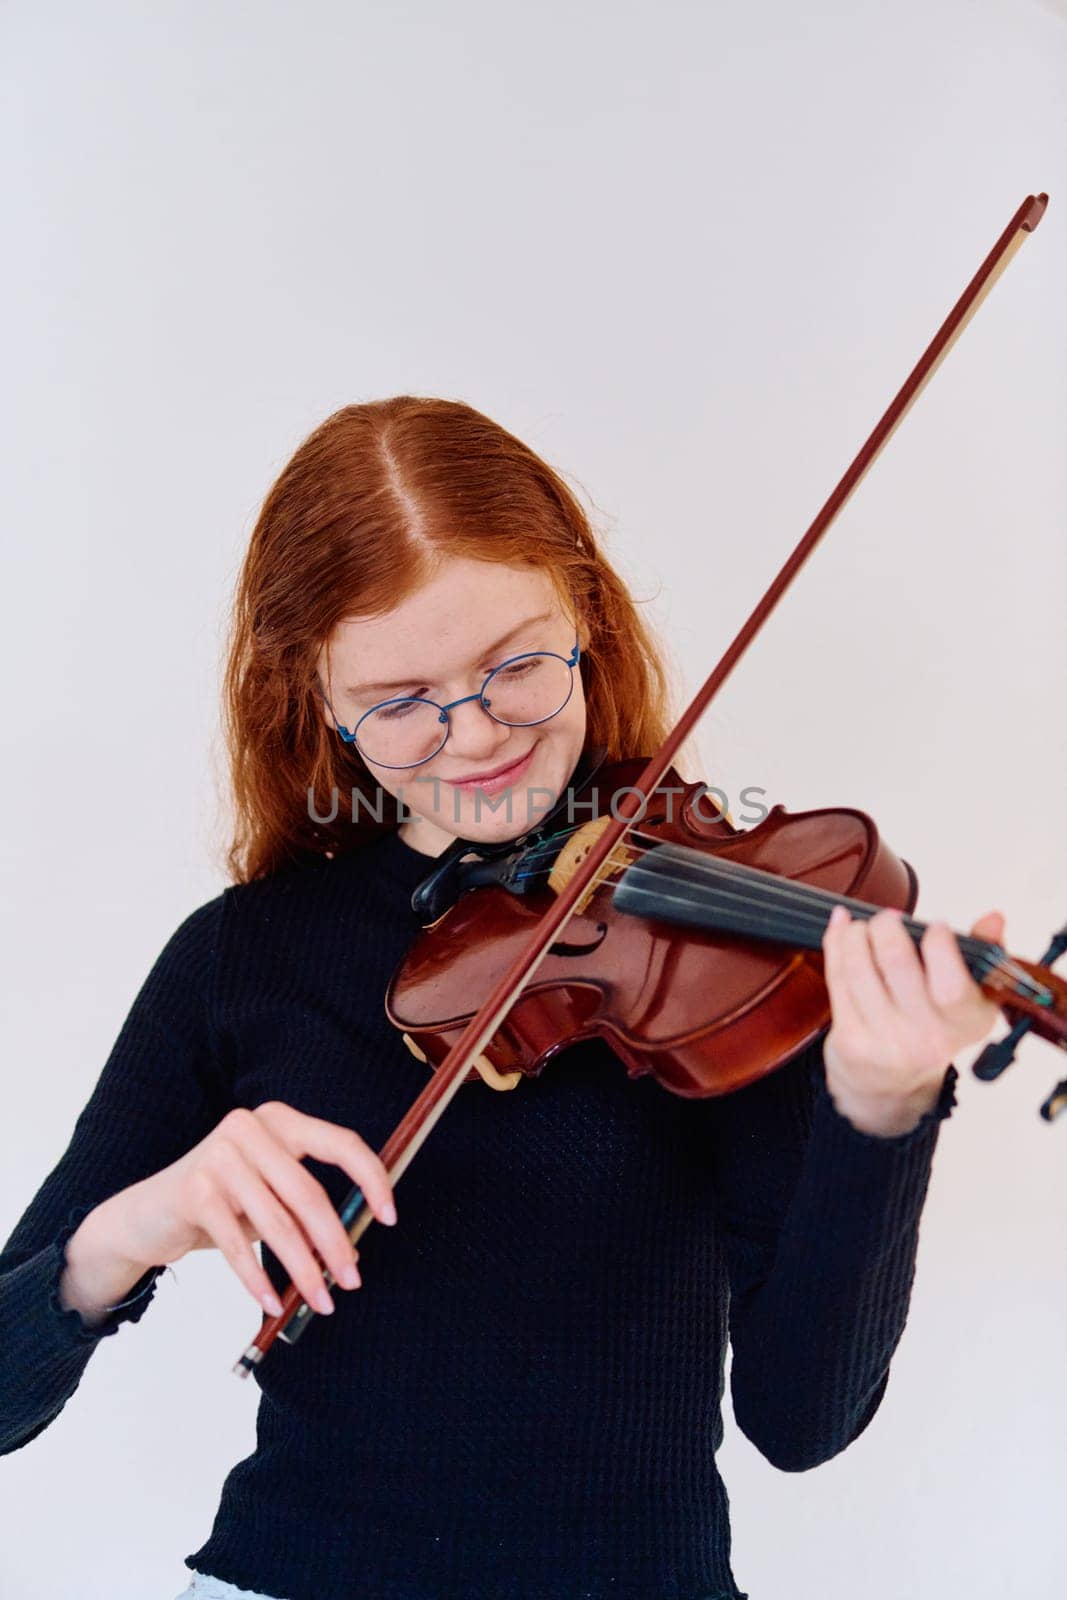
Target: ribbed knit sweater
<point>522,1402</point>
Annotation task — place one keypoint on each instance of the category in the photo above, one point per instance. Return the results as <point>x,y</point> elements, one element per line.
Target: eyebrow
<point>359,689</point>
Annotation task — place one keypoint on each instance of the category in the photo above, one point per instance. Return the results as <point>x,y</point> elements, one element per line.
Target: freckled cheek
<point>567,728</point>
<point>573,715</point>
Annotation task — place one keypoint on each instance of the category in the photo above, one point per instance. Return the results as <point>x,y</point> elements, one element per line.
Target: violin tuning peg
<point>1056,1102</point>
<point>991,1062</point>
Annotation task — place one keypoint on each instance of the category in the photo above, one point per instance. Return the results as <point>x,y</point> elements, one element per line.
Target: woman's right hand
<point>244,1181</point>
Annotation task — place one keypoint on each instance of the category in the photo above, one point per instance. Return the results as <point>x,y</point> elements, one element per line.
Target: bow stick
<point>407,1138</point>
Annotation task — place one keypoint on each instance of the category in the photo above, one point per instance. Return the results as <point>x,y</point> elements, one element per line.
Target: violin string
<point>991,956</point>
<point>981,956</point>
<point>766,888</point>
<point>805,927</point>
<point>772,884</point>
<point>786,888</point>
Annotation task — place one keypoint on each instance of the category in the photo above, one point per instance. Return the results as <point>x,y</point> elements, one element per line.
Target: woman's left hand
<point>898,1020</point>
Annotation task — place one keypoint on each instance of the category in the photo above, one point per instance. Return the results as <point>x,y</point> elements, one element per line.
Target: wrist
<point>97,1272</point>
<point>885,1115</point>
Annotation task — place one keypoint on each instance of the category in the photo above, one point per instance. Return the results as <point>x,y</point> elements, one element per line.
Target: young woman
<point>524,1400</point>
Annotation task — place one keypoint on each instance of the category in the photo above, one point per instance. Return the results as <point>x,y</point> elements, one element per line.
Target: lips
<point>498,778</point>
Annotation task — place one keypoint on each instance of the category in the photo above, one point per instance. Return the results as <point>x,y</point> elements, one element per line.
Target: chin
<point>486,824</point>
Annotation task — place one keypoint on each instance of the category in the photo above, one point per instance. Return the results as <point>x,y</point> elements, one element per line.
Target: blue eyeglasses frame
<point>351,736</point>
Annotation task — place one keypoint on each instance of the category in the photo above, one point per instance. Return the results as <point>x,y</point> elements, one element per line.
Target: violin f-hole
<point>576,947</point>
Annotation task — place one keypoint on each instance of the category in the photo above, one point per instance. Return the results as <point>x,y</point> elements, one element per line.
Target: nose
<point>472,732</point>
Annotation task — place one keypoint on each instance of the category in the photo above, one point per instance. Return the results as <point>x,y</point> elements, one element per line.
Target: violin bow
<point>424,1113</point>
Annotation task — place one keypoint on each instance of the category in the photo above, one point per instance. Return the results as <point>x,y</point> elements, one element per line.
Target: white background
<point>688,252</point>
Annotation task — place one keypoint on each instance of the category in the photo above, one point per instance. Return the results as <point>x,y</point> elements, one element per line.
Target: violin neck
<point>689,888</point>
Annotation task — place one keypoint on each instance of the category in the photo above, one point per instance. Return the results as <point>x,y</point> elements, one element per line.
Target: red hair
<point>352,526</point>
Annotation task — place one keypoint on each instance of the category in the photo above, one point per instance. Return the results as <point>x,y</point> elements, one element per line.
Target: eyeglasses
<point>409,730</point>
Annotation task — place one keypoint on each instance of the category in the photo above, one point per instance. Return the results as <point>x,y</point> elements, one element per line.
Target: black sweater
<point>523,1400</point>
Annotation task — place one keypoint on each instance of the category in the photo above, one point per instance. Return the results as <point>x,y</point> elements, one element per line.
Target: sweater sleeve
<point>162,1089</point>
<point>820,1227</point>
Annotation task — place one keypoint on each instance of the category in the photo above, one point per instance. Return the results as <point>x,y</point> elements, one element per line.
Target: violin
<point>690,946</point>
<point>694,951</point>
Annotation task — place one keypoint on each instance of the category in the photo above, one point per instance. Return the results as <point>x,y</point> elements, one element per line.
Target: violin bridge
<point>574,853</point>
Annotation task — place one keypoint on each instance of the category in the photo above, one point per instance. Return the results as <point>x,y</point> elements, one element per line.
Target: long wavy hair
<point>352,526</point>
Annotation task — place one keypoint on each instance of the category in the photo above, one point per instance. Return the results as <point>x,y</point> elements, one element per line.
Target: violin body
<point>705,1011</point>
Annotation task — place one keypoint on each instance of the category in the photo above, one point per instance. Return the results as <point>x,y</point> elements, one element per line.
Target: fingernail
<point>323,1302</point>
<point>350,1277</point>
<point>389,1213</point>
<point>272,1304</point>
